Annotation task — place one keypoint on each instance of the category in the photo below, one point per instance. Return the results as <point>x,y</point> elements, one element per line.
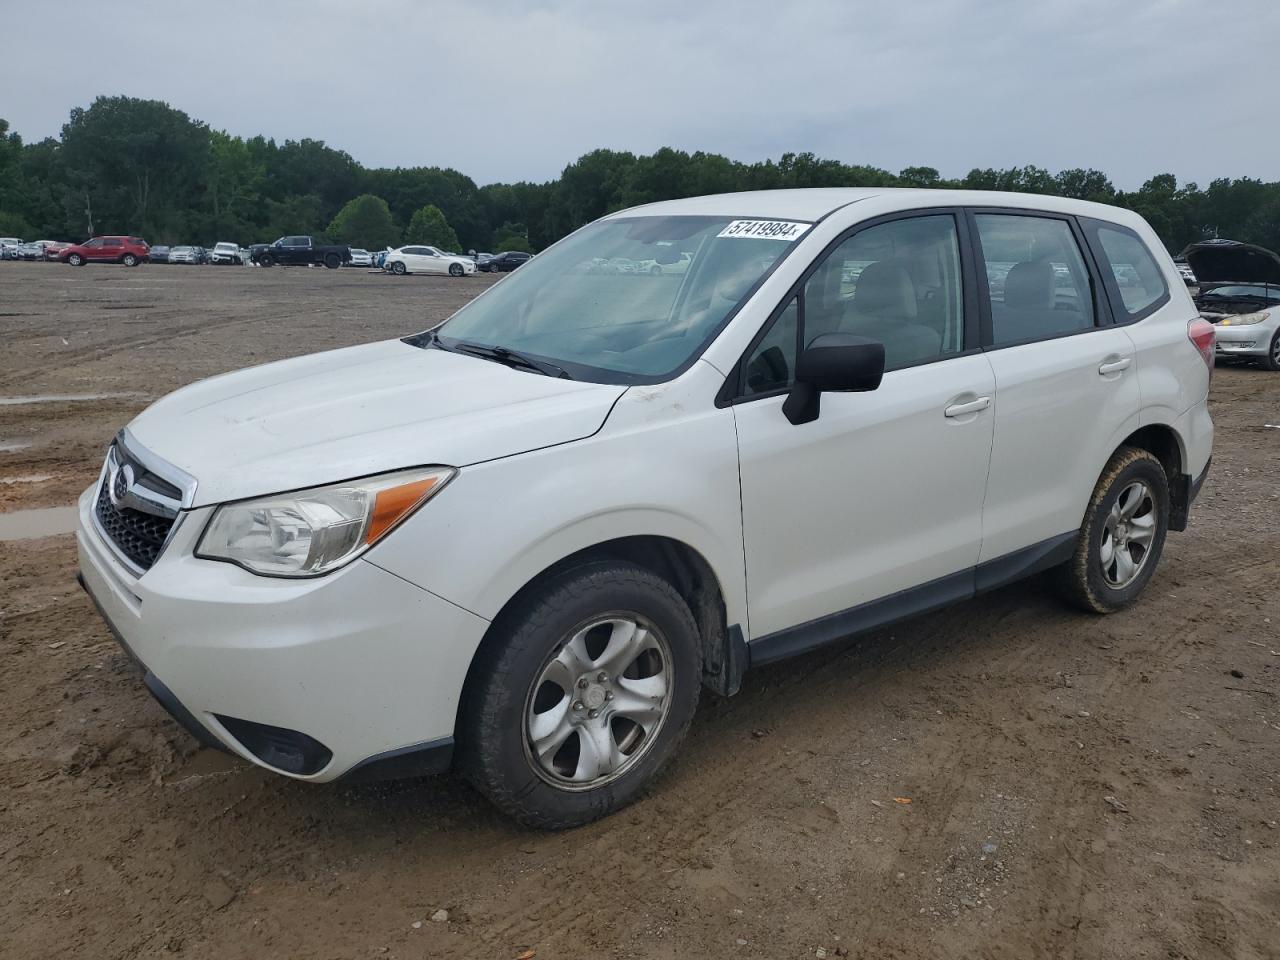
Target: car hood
<point>1222,261</point>
<point>359,411</point>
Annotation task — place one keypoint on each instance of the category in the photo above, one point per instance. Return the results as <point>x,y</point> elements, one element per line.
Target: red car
<point>130,251</point>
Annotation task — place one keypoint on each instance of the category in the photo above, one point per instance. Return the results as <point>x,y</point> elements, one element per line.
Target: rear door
<point>1066,388</point>
<point>883,492</point>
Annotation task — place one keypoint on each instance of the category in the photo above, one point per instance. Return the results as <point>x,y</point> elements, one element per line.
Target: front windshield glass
<point>626,301</point>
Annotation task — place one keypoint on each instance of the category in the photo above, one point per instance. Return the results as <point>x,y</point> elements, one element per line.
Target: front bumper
<point>362,662</point>
<point>1251,340</point>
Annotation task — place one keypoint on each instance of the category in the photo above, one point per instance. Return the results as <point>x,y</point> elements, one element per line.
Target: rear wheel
<point>129,260</point>
<point>590,685</point>
<point>1123,534</point>
<point>332,261</point>
<point>1272,360</point>
<point>398,268</point>
<point>455,270</point>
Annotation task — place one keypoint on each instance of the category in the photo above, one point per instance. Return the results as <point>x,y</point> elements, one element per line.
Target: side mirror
<point>839,362</point>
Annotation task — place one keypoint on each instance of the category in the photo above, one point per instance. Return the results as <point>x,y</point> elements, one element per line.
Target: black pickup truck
<point>299,251</point>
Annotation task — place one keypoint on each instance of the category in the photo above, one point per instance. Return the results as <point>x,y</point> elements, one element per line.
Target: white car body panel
<point>311,420</point>
<point>881,494</point>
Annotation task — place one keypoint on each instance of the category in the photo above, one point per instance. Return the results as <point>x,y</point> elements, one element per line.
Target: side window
<point>94,243</point>
<point>115,243</point>
<point>772,364</point>
<point>898,283</point>
<point>1036,277</point>
<point>1136,273</point>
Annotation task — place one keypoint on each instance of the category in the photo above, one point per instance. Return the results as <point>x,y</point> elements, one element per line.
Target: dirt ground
<point>1007,721</point>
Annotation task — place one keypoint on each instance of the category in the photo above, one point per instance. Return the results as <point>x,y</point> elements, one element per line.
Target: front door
<point>883,492</point>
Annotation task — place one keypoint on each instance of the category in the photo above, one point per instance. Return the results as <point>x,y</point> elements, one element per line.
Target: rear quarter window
<point>1134,279</point>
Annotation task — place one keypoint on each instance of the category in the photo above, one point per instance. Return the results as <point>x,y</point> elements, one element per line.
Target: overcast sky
<point>515,90</point>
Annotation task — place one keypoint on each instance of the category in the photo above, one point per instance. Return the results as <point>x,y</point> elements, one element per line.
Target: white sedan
<point>415,259</point>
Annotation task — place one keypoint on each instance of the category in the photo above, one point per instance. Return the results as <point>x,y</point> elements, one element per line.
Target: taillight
<point>1202,333</point>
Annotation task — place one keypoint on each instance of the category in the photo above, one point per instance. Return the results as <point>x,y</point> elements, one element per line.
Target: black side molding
<point>416,760</point>
<point>1023,563</point>
<point>913,601</point>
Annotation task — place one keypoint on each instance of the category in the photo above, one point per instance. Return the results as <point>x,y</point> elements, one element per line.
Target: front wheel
<point>1272,360</point>
<point>398,268</point>
<point>76,260</point>
<point>589,686</point>
<point>1120,543</point>
<point>455,270</point>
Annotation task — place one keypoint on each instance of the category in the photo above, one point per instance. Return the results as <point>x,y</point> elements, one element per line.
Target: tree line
<point>128,166</point>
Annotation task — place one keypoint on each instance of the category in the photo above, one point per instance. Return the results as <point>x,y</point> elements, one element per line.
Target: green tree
<point>511,236</point>
<point>365,222</point>
<point>134,166</point>
<point>429,226</point>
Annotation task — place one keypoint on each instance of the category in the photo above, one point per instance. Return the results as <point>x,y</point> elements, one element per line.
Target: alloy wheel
<point>1127,535</point>
<point>599,702</point>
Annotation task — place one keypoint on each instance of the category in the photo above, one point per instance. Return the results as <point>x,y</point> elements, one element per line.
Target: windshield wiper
<point>511,358</point>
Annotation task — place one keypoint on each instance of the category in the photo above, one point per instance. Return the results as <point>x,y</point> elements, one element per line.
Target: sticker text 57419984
<point>765,229</point>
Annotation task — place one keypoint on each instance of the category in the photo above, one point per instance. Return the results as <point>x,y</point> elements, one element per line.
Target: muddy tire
<point>585,689</point>
<point>1122,538</point>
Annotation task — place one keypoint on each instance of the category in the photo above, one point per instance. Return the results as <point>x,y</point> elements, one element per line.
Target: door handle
<point>973,406</point>
<point>1115,366</point>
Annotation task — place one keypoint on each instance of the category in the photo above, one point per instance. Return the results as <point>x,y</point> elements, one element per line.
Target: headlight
<point>311,532</point>
<point>1244,319</point>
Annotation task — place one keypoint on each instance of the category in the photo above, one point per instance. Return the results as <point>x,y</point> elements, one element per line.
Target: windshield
<point>1245,290</point>
<point>626,301</point>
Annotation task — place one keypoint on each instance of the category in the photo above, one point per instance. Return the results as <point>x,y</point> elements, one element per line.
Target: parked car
<point>226,253</point>
<point>31,250</point>
<point>1240,293</point>
<point>525,540</point>
<point>9,248</point>
<point>160,254</point>
<point>299,251</point>
<point>187,255</point>
<point>504,262</point>
<point>360,258</point>
<point>130,251</point>
<point>423,259</point>
<point>1184,270</point>
<point>52,248</point>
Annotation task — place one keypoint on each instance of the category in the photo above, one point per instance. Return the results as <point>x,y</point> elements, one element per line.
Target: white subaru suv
<point>521,544</point>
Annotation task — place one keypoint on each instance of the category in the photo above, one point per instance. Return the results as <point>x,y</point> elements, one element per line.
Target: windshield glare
<point>622,301</point>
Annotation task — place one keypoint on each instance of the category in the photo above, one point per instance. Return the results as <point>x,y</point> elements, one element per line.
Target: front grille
<point>139,536</point>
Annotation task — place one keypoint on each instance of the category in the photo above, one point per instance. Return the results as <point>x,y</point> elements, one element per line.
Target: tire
<point>129,260</point>
<point>398,268</point>
<point>455,270</point>
<point>76,260</point>
<point>655,270</point>
<point>1089,579</point>
<point>1272,360</point>
<point>266,260</point>
<point>332,261</point>
<point>576,617</point>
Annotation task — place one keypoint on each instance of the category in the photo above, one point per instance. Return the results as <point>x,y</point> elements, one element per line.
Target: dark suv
<point>130,251</point>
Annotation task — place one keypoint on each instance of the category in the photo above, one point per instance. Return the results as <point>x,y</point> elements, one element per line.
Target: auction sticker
<point>765,229</point>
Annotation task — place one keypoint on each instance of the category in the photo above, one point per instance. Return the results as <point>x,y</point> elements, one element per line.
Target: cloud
<point>508,91</point>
